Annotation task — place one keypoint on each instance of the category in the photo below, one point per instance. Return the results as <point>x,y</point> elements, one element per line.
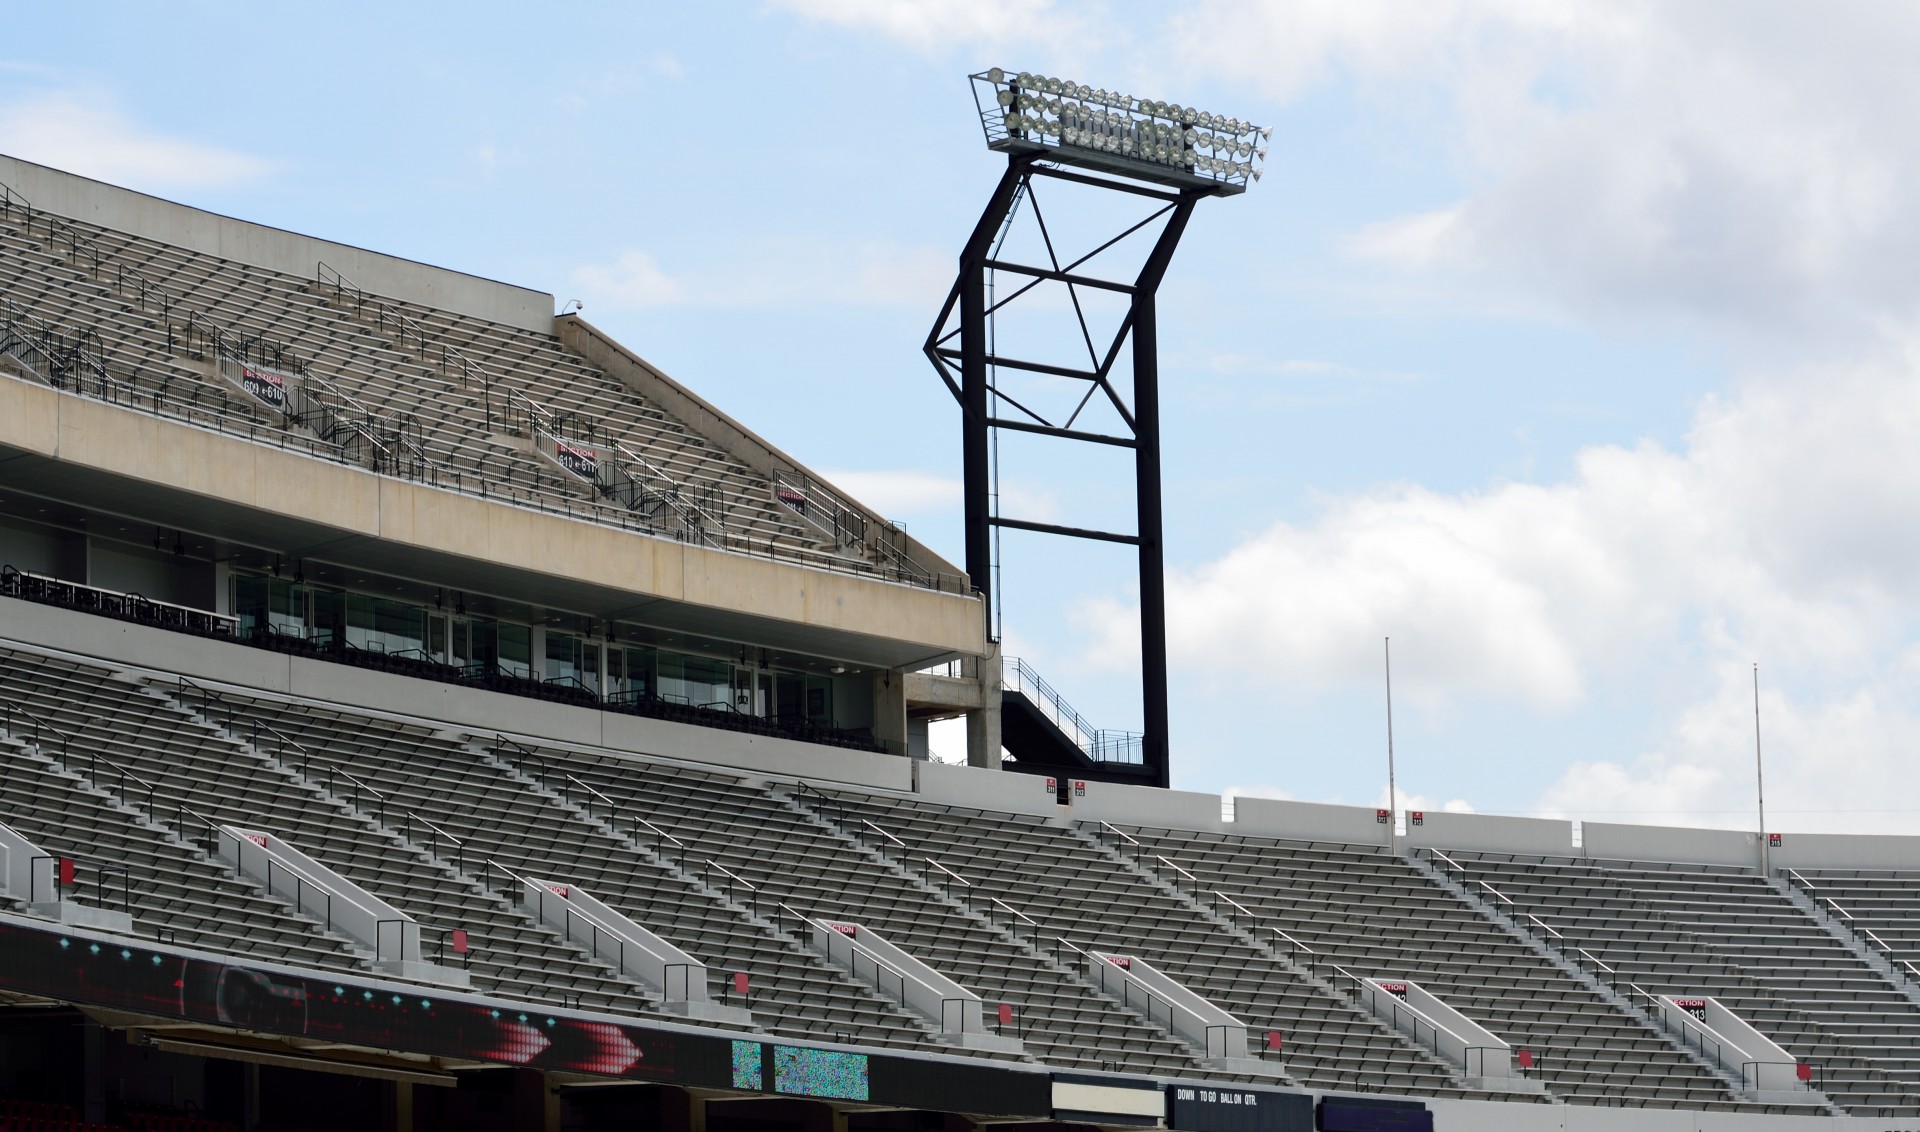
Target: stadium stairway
<point>1876,912</point>
<point>1070,890</point>
<point>792,860</point>
<point>500,814</point>
<point>1684,930</point>
<point>195,771</point>
<point>1365,911</point>
<point>174,892</point>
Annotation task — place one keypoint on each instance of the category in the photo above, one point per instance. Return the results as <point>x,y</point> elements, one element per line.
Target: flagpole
<point>1759,778</point>
<point>1393,796</point>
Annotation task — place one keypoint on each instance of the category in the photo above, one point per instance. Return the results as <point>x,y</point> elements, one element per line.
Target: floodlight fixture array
<point>1075,124</point>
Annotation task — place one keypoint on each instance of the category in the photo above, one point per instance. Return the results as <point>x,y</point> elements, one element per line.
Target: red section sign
<point>1773,841</point>
<point>1526,1058</point>
<point>1417,817</point>
<point>564,892</point>
<point>846,929</point>
<point>1121,961</point>
<point>259,839</point>
<point>1803,1071</point>
<point>1273,1039</point>
<point>458,937</point>
<point>1079,788</point>
<point>1006,1014</point>
<point>739,982</point>
<point>582,462</point>
<point>66,872</point>
<point>1380,816</point>
<point>1053,786</point>
<point>1397,989</point>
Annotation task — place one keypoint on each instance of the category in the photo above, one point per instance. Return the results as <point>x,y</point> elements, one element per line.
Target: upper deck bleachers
<point>159,317</point>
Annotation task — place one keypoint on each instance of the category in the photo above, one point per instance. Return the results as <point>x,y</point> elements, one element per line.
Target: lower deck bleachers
<point>1373,914</point>
<point>1720,931</point>
<point>121,769</point>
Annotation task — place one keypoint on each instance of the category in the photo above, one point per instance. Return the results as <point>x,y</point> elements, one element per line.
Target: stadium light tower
<point>1169,157</point>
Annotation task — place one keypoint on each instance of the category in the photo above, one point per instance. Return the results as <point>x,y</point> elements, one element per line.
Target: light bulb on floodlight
<point>1266,133</point>
<point>1256,174</point>
<point>1261,154</point>
<point>1004,98</point>
<point>1025,79</point>
<point>996,76</point>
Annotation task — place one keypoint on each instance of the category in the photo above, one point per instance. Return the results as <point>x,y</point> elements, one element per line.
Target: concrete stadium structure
<point>419,712</point>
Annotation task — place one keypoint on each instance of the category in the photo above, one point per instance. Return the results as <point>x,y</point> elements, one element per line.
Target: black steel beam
<point>1062,433</point>
<point>1070,532</point>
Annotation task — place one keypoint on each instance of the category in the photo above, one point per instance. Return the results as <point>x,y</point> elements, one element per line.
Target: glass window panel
<point>513,646</point>
<point>562,656</point>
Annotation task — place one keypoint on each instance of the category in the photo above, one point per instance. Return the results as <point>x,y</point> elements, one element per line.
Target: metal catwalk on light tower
<point>1167,158</point>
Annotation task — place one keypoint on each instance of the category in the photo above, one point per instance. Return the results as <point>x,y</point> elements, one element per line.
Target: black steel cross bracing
<point>1058,276</point>
<point>974,362</point>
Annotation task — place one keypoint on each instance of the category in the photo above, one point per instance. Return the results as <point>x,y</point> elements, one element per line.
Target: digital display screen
<point>315,1006</point>
<point>826,1073</point>
<point>747,1071</point>
<point>1353,1114</point>
<point>951,1086</point>
<point>415,1019</point>
<point>1232,1108</point>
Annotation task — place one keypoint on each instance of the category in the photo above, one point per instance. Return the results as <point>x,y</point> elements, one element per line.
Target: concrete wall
<point>1493,833</point>
<point>1492,1116</point>
<point>1846,851</point>
<point>1606,841</point>
<point>274,248</point>
<point>981,789</point>
<point>204,660</point>
<point>1307,821</point>
<point>1142,805</point>
<point>233,481</point>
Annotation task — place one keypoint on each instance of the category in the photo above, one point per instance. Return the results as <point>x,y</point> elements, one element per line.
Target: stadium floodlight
<point>1074,124</point>
<point>1162,159</point>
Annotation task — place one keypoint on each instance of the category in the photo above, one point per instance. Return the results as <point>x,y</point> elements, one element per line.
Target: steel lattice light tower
<point>1169,157</point>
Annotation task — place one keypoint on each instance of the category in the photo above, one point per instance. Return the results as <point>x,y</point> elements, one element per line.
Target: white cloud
<point>84,133</point>
<point>1785,530</point>
<point>1737,163</point>
<point>632,282</point>
<point>1411,242</point>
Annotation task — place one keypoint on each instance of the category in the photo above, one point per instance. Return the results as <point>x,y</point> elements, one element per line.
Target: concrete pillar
<point>681,1111</point>
<point>983,725</point>
<point>403,1106</point>
<point>93,1084</point>
<point>249,1097</point>
<point>890,711</point>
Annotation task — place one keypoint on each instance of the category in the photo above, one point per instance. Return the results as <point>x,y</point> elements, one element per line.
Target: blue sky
<point>1570,345</point>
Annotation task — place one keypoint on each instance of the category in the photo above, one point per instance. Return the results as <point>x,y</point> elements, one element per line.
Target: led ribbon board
<point>134,975</point>
<point>1118,133</point>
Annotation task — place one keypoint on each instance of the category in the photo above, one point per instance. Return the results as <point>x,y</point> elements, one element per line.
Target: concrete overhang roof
<point>110,461</point>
